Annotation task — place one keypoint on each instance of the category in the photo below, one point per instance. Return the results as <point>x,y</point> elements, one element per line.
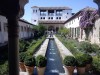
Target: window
<point>75,32</point>
<point>78,31</point>
<point>72,21</point>
<point>43,17</point>
<point>51,12</point>
<point>36,10</point>
<point>51,17</point>
<point>42,12</point>
<point>34,20</point>
<point>56,17</point>
<point>59,17</point>
<point>33,11</point>
<point>5,27</point>
<point>22,28</point>
<point>78,18</point>
<point>59,12</point>
<point>99,33</point>
<point>0,26</point>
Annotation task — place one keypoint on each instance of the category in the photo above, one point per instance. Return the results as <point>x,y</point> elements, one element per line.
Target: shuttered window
<point>0,26</point>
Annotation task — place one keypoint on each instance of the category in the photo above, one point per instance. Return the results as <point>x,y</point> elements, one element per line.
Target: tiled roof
<point>52,22</point>
<point>51,8</point>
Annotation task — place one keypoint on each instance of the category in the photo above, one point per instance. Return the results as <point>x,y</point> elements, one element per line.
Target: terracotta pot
<point>29,70</point>
<point>88,67</point>
<point>41,70</point>
<point>22,67</point>
<point>69,70</point>
<point>81,70</point>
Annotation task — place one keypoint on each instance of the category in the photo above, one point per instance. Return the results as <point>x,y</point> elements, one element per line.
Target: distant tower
<point>35,15</point>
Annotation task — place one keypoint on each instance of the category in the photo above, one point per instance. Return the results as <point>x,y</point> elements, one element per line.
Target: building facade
<point>25,29</point>
<point>50,16</point>
<point>76,32</point>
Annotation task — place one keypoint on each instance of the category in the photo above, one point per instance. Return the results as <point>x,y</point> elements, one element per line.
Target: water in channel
<point>54,62</point>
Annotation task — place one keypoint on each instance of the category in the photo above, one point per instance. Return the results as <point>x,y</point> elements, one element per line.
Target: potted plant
<point>21,61</point>
<point>81,64</point>
<point>69,64</point>
<point>29,64</point>
<point>41,63</point>
<point>88,59</point>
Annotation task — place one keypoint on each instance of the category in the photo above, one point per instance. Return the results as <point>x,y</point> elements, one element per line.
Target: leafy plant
<point>86,47</point>
<point>96,64</point>
<point>88,58</point>
<point>30,61</point>
<point>22,56</point>
<point>69,61</point>
<point>4,68</point>
<point>41,61</point>
<point>95,48</point>
<point>81,61</point>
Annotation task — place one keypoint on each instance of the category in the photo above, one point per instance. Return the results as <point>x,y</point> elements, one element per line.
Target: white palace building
<point>52,17</point>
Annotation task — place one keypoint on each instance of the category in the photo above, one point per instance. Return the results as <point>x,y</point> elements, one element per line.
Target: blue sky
<point>76,5</point>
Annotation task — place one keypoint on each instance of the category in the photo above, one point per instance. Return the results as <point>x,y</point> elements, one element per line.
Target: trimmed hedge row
<point>78,48</point>
<point>33,48</point>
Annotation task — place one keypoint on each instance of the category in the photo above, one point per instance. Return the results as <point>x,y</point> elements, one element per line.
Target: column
<point>13,42</point>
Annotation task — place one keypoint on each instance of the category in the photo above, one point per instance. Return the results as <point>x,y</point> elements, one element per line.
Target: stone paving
<point>43,48</point>
<point>62,49</point>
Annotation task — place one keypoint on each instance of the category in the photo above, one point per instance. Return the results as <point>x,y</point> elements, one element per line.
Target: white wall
<point>96,32</point>
<point>36,15</point>
<point>4,34</point>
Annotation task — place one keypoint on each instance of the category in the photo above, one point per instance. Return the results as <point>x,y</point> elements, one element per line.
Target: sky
<point>76,5</point>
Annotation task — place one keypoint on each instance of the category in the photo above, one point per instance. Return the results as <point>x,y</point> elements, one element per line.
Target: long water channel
<point>54,62</point>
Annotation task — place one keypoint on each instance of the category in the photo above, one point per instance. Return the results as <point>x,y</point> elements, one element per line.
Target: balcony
<point>42,14</point>
<point>51,14</point>
<point>58,14</point>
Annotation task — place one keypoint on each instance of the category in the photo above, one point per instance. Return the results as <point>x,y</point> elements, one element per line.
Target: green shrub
<point>86,47</point>
<point>41,61</point>
<point>30,61</point>
<point>95,47</point>
<point>21,45</point>
<point>22,56</point>
<point>88,58</point>
<point>4,69</point>
<point>33,48</point>
<point>80,60</point>
<point>96,64</point>
<point>69,61</point>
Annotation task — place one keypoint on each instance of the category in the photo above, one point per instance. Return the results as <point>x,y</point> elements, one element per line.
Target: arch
<point>51,28</point>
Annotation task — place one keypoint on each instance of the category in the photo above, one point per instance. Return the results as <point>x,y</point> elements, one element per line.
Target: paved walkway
<point>62,49</point>
<point>43,48</point>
